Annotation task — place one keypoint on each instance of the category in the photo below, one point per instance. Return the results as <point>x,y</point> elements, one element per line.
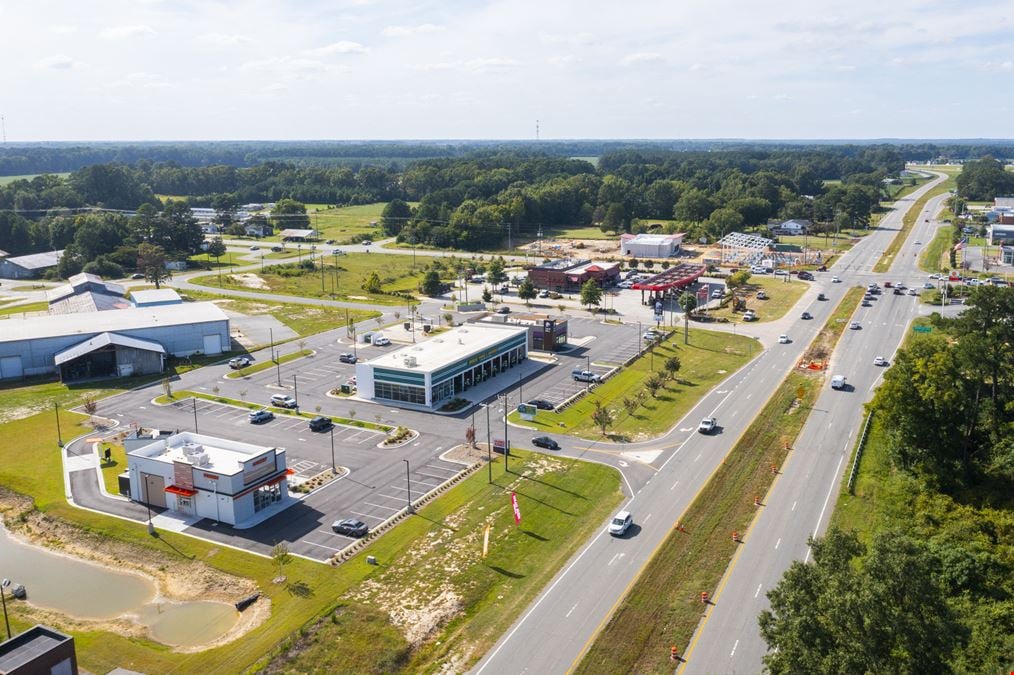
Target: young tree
<point>449,319</point>
<point>631,404</point>
<point>290,214</point>
<point>216,248</point>
<point>602,417</point>
<point>591,295</point>
<point>280,554</point>
<point>653,384</point>
<point>470,436</point>
<point>672,366</point>
<point>526,291</point>
<point>495,271</point>
<point>151,263</point>
<point>487,295</point>
<point>372,284</point>
<point>431,284</point>
<point>395,216</point>
<point>738,279</point>
<point>688,303</point>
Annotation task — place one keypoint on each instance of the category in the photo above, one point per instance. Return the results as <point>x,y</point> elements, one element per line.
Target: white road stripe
<point>778,542</point>
<point>758,590</point>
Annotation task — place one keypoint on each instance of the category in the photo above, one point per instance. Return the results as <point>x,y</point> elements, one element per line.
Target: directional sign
<point>922,329</point>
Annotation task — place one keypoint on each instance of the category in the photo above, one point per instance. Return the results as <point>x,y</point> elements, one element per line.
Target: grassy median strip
<point>663,606</point>
<point>708,359</point>
<point>908,222</point>
<point>932,258</point>
<point>562,501</point>
<point>264,365</point>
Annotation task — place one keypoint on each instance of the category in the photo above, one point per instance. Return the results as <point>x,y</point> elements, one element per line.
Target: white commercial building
<point>207,477</point>
<point>650,245</point>
<point>435,371</point>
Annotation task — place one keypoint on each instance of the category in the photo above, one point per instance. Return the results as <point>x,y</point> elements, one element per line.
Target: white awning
<point>104,340</point>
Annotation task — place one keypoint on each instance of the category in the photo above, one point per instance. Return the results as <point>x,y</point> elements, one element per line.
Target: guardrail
<point>859,453</point>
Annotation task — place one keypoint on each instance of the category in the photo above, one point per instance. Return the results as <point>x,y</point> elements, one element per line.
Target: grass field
<point>116,465</point>
<point>208,262</point>
<point>935,257</point>
<point>27,307</point>
<point>707,360</point>
<point>908,222</point>
<point>395,271</point>
<point>342,224</point>
<point>781,297</point>
<point>4,180</point>
<point>663,606</point>
<point>562,505</point>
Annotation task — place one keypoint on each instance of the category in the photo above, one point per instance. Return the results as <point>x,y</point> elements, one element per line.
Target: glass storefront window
<point>399,392</point>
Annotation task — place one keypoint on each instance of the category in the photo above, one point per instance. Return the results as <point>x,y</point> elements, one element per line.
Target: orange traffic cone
<point>774,469</point>
<point>704,597</point>
<point>756,500</point>
<point>672,653</point>
<point>735,535</point>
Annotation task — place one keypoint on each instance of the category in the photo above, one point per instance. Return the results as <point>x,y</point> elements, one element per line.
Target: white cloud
<point>225,39</point>
<point>62,29</point>
<point>640,57</point>
<point>126,32</point>
<point>57,62</point>
<point>340,47</point>
<point>563,60</point>
<point>407,31</point>
<point>290,67</point>
<point>142,80</point>
<point>472,65</point>
<point>998,66</point>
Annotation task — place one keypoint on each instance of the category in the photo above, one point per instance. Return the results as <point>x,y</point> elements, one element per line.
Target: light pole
<point>295,392</point>
<point>59,434</point>
<point>4,584</point>
<point>587,368</point>
<point>506,445</point>
<point>489,445</point>
<point>194,399</point>
<point>334,467</point>
<point>408,484</point>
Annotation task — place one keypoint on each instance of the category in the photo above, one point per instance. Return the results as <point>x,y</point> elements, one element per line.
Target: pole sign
<point>500,445</point>
<point>527,412</point>
<point>517,509</point>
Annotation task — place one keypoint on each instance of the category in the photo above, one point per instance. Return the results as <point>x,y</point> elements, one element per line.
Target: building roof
<point>79,283</point>
<point>100,322</point>
<point>646,238</point>
<point>675,277</point>
<point>37,261</point>
<point>210,453</point>
<point>104,340</point>
<point>21,649</point>
<point>447,348</point>
<point>740,240</point>
<point>296,233</point>
<point>1001,226</point>
<point>154,296</point>
<point>593,267</point>
<point>561,265</point>
<point>3,253</point>
<point>88,301</point>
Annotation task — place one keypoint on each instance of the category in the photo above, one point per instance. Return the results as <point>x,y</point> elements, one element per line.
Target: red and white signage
<point>517,509</point>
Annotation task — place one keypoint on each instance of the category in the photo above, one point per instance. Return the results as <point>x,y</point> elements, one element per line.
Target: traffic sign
<point>922,329</point>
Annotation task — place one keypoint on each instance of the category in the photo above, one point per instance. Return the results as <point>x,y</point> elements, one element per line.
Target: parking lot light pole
<point>587,367</point>
<point>295,392</point>
<point>489,445</point>
<point>194,399</point>
<point>334,467</point>
<point>4,584</point>
<point>59,434</point>
<point>408,484</point>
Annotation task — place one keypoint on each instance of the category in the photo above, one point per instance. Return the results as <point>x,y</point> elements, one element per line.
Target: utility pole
<point>489,445</point>
<point>408,485</point>
<point>334,468</point>
<point>295,392</point>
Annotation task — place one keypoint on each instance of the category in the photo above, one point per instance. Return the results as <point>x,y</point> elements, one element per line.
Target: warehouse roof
<point>645,238</point>
<point>104,340</point>
<point>37,261</point>
<point>447,348</point>
<point>90,323</point>
<point>153,296</point>
<point>81,283</point>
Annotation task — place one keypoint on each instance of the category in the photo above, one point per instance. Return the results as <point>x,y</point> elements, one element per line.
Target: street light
<point>59,434</point>
<point>194,400</point>
<point>4,584</point>
<point>334,468</point>
<point>408,484</point>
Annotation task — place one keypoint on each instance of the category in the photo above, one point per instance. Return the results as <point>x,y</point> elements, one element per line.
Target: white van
<point>838,382</point>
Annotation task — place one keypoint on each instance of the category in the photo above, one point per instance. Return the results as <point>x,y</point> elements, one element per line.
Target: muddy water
<point>86,590</point>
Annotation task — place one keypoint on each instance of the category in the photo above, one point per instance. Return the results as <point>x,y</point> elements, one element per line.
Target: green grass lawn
<point>561,507</point>
<point>116,465</point>
<point>28,307</point>
<point>869,509</point>
<point>264,365</point>
<point>709,358</point>
<point>663,607</point>
<point>396,274</point>
<point>343,223</point>
<point>208,262</point>
<point>844,240</point>
<point>781,297</point>
<point>935,257</point>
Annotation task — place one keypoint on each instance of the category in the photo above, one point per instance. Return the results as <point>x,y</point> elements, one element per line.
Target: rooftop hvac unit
<point>195,454</point>
<point>410,361</point>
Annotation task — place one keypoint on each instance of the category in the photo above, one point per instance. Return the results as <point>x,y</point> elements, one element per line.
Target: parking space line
<point>367,515</point>
<point>431,475</point>
<point>381,506</point>
<point>313,543</point>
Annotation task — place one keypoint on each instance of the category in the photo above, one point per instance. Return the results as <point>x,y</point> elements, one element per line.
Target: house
<point>790,227</point>
<point>211,228</point>
<point>29,266</point>
<point>258,229</point>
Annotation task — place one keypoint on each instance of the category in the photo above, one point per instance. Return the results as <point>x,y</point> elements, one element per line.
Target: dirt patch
<point>250,281</point>
<point>176,579</point>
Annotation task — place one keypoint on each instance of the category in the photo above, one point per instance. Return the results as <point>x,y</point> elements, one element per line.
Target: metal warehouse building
<point>121,342</point>
<point>431,373</point>
<point>650,245</point>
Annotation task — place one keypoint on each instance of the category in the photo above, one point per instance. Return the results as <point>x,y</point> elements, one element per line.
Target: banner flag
<point>517,509</point>
<point>485,541</point>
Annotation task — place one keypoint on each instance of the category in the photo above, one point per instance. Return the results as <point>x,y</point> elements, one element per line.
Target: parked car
<point>838,382</point>
<point>586,376</point>
<point>888,284</point>
<point>854,325</point>
<point>380,341</point>
<point>707,425</point>
<point>321,423</point>
<point>255,248</point>
<point>651,336</point>
<point>781,273</point>
<point>805,316</point>
<point>761,295</point>
<point>541,404</point>
<point>350,527</point>
<point>717,294</point>
<point>620,523</point>
<point>543,293</point>
<point>137,275</point>
<point>927,285</point>
<point>545,442</point>
<point>262,415</point>
<point>898,291</point>
<point>347,357</point>
<point>783,339</point>
<point>912,291</point>
<point>283,401</point>
<point>240,362</point>
<point>504,310</point>
<point>276,249</point>
<point>337,251</point>
<point>748,315</point>
<point>880,361</point>
<point>757,269</point>
<point>806,276</point>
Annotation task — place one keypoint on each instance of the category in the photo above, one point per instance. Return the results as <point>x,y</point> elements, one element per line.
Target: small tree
<point>449,319</point>
<point>242,393</point>
<point>352,413</point>
<point>91,406</point>
<point>591,295</point>
<point>151,263</point>
<point>495,271</point>
<point>631,404</point>
<point>397,315</point>
<point>526,291</point>
<point>431,284</point>
<point>487,295</point>
<point>470,436</point>
<point>653,384</point>
<point>672,366</point>
<point>602,417</point>
<point>280,554</point>
<point>215,390</point>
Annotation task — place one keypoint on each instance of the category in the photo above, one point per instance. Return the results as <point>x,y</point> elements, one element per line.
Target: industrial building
<point>86,293</point>
<point>40,649</point>
<point>432,372</point>
<point>208,477</point>
<point>155,298</point>
<point>545,333</point>
<point>98,344</point>
<point>29,266</point>
<point>1000,234</point>
<point>568,275</point>
<point>651,245</point>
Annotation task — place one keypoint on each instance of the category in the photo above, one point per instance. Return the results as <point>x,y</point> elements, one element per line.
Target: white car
<point>717,294</point>
<point>707,425</point>
<point>835,280</point>
<point>934,276</point>
<point>381,341</point>
<point>783,339</point>
<point>620,523</point>
<point>880,361</point>
<point>854,325</point>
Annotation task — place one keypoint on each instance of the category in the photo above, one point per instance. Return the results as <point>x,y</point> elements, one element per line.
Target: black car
<point>350,527</point>
<point>347,357</point>
<point>806,276</point>
<point>320,423</point>
<point>545,442</point>
<point>541,404</point>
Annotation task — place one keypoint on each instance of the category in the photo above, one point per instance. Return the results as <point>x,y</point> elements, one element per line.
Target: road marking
<point>330,548</point>
<point>698,456</point>
<point>647,518</point>
<point>758,590</point>
<point>614,559</point>
<point>674,485</point>
<point>794,505</point>
<point>734,648</point>
<point>748,396</point>
<point>381,506</point>
<point>367,515</point>
<point>834,479</point>
<point>567,615</point>
<point>777,543</point>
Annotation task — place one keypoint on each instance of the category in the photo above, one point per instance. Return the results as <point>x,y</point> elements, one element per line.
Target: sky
<point>393,69</point>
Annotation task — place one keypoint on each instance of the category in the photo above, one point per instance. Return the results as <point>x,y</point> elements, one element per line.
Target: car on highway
<point>240,362</point>
<point>620,523</point>
<point>259,416</point>
<point>543,293</point>
<point>806,276</point>
<point>350,527</point>
<point>838,382</point>
<point>835,280</point>
<point>880,361</point>
<point>821,296</point>
<point>866,302</point>
<point>380,341</point>
<point>137,275</point>
<point>805,316</point>
<point>757,269</point>
<point>366,242</point>
<point>283,401</point>
<point>927,284</point>
<point>934,276</point>
<point>321,423</point>
<point>255,248</point>
<point>337,251</point>
<point>783,339</point>
<point>917,242</point>
<point>888,284</point>
<point>854,325</point>
<point>541,404</point>
<point>586,376</point>
<point>913,291</point>
<point>276,249</point>
<point>347,357</point>
<point>707,425</point>
<point>545,442</point>
<point>898,291</point>
<point>781,273</point>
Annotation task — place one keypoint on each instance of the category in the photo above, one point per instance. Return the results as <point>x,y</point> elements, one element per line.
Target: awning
<point>182,492</point>
<point>104,340</point>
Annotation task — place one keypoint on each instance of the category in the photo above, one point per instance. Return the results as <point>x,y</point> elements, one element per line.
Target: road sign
<point>527,412</point>
<point>922,329</point>
<point>501,446</point>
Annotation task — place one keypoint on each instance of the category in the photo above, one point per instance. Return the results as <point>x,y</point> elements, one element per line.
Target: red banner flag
<point>517,509</point>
